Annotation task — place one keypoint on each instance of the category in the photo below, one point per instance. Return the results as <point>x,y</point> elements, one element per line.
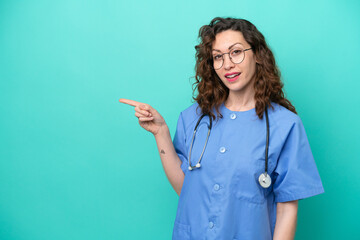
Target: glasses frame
<point>222,56</point>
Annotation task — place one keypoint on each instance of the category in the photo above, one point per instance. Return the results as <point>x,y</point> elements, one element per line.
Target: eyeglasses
<point>236,55</point>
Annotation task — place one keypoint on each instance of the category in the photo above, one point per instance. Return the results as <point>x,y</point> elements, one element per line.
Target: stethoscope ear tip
<point>198,165</point>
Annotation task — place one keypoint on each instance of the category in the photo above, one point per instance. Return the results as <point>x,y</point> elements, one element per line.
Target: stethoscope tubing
<point>267,140</point>
<point>263,177</point>
<point>207,137</point>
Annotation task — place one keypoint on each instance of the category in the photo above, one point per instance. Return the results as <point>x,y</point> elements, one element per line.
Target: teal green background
<point>75,164</point>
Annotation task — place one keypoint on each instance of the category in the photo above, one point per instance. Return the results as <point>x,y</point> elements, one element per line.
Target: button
<point>233,116</point>
<point>211,224</point>
<point>222,149</point>
<point>216,187</point>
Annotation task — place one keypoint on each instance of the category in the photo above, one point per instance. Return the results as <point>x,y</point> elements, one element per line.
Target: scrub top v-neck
<point>223,198</point>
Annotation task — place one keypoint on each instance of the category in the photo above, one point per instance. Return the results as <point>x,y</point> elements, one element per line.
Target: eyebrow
<point>229,47</point>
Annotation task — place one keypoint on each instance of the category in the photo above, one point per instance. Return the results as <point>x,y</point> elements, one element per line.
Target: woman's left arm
<point>286,217</point>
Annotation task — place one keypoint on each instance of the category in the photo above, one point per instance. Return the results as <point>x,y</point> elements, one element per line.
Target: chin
<point>235,86</point>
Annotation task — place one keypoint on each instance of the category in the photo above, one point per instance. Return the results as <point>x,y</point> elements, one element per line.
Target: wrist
<point>162,131</point>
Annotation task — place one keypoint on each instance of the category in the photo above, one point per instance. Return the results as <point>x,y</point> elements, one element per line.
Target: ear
<point>256,60</point>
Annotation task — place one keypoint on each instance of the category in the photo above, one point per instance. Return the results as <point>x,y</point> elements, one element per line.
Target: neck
<point>238,101</point>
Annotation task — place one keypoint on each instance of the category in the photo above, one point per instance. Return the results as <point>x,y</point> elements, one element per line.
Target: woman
<point>223,192</point>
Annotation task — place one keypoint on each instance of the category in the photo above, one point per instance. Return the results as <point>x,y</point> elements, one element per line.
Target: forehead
<point>225,39</point>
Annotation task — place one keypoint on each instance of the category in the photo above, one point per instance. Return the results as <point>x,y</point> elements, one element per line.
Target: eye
<point>217,57</point>
<point>236,52</point>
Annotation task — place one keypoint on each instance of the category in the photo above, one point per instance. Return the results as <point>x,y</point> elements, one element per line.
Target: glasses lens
<point>218,61</point>
<point>237,55</point>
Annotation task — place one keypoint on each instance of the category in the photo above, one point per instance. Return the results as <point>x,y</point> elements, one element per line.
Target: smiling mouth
<point>232,76</point>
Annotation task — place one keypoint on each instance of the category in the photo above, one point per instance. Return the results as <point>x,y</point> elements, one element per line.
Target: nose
<point>227,62</point>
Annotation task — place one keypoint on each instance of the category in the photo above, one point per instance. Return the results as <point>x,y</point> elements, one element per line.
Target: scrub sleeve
<point>296,175</point>
<point>179,142</point>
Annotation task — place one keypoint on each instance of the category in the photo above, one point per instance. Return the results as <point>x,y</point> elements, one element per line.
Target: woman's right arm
<point>152,121</point>
<point>169,159</point>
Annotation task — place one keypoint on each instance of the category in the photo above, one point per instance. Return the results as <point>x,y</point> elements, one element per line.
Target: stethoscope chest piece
<point>265,180</point>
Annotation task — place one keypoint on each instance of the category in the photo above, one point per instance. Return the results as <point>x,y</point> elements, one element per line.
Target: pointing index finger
<point>130,102</point>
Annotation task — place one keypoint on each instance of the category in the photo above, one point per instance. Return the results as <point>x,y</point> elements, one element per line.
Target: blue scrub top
<point>223,198</point>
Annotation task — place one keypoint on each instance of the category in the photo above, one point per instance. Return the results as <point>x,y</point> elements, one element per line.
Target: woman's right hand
<point>149,118</point>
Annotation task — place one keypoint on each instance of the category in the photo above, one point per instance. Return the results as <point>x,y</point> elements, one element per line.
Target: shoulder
<point>190,114</point>
<point>282,113</point>
<point>283,118</point>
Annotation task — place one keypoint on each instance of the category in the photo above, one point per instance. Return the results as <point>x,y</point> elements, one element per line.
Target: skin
<point>286,217</point>
<point>241,91</point>
<point>152,121</point>
<point>241,98</point>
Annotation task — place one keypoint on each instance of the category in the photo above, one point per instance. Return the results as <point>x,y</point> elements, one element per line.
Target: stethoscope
<point>264,178</point>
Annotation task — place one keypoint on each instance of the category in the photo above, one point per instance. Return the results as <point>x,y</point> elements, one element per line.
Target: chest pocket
<point>181,231</point>
<point>245,182</point>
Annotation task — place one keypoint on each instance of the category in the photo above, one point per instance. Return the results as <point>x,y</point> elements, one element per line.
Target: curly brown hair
<point>213,92</point>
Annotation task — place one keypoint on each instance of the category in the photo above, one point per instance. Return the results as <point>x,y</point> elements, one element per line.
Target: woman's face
<point>228,41</point>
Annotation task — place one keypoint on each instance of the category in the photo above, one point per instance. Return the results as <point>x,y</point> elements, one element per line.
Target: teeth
<point>231,76</point>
